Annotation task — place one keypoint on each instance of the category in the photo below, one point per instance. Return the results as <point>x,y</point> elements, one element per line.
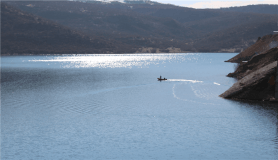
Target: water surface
<point>112,107</point>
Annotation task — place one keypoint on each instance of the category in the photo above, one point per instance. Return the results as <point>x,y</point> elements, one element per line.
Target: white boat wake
<point>184,80</point>
<point>200,89</point>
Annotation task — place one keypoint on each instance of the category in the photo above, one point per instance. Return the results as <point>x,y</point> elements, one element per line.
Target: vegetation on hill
<point>146,27</point>
<point>262,8</point>
<point>24,33</point>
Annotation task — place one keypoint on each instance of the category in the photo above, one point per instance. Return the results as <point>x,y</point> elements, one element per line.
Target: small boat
<point>161,79</point>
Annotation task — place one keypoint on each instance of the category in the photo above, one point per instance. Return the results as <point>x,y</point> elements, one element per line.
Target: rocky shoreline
<point>256,72</point>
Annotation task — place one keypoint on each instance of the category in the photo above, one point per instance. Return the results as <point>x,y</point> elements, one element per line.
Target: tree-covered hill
<point>130,27</point>
<point>24,33</point>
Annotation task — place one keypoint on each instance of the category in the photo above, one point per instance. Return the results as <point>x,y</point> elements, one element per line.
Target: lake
<point>108,106</point>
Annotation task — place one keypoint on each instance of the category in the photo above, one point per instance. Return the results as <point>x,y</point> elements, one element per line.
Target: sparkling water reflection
<point>116,60</point>
<point>113,107</point>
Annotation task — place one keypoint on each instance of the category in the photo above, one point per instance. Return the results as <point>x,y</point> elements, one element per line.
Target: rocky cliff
<point>262,45</point>
<point>258,85</point>
<point>256,73</point>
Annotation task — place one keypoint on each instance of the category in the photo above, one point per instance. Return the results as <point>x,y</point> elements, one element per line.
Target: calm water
<point>112,107</point>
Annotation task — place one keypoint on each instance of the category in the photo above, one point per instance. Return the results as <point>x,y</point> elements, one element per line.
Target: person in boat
<point>160,78</point>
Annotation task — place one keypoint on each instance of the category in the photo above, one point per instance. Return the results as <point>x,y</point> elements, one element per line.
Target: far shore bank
<point>59,54</point>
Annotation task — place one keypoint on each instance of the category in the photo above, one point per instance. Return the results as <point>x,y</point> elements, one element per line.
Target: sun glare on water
<point>113,61</point>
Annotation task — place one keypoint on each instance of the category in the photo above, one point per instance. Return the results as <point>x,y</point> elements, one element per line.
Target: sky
<point>216,3</point>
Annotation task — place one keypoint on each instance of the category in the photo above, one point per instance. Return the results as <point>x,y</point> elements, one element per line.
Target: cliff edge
<point>255,63</point>
<point>256,73</point>
<point>258,85</point>
<point>262,45</point>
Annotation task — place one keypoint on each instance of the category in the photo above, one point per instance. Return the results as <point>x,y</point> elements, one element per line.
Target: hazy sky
<point>216,3</point>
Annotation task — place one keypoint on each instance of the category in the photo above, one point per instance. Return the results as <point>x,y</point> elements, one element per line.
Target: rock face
<point>276,86</point>
<point>262,45</point>
<point>257,74</point>
<point>254,86</point>
<point>255,63</point>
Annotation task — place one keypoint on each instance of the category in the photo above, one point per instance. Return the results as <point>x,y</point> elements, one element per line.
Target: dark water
<point>112,107</point>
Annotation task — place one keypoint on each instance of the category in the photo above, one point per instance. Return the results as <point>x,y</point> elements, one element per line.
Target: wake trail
<point>196,81</point>
<point>201,89</point>
<point>184,80</point>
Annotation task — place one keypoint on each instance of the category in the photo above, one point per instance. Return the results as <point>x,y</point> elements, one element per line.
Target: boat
<point>161,79</point>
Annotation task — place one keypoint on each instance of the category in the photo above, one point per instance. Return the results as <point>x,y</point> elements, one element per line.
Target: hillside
<point>262,44</point>
<point>156,27</point>
<point>26,33</point>
<point>234,39</point>
<point>262,8</point>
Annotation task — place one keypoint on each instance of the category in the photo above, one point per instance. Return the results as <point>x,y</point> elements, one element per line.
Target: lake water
<point>112,107</point>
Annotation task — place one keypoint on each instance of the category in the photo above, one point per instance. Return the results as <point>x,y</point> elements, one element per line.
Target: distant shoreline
<point>104,53</point>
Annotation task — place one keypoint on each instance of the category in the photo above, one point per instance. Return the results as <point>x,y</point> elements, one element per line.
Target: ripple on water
<point>201,92</point>
<point>64,111</point>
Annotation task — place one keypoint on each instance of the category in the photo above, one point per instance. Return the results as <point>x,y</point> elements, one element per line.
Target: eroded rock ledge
<point>255,63</point>
<point>254,86</point>
<point>256,71</point>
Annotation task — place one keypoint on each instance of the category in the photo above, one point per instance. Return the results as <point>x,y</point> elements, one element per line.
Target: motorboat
<point>161,79</point>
